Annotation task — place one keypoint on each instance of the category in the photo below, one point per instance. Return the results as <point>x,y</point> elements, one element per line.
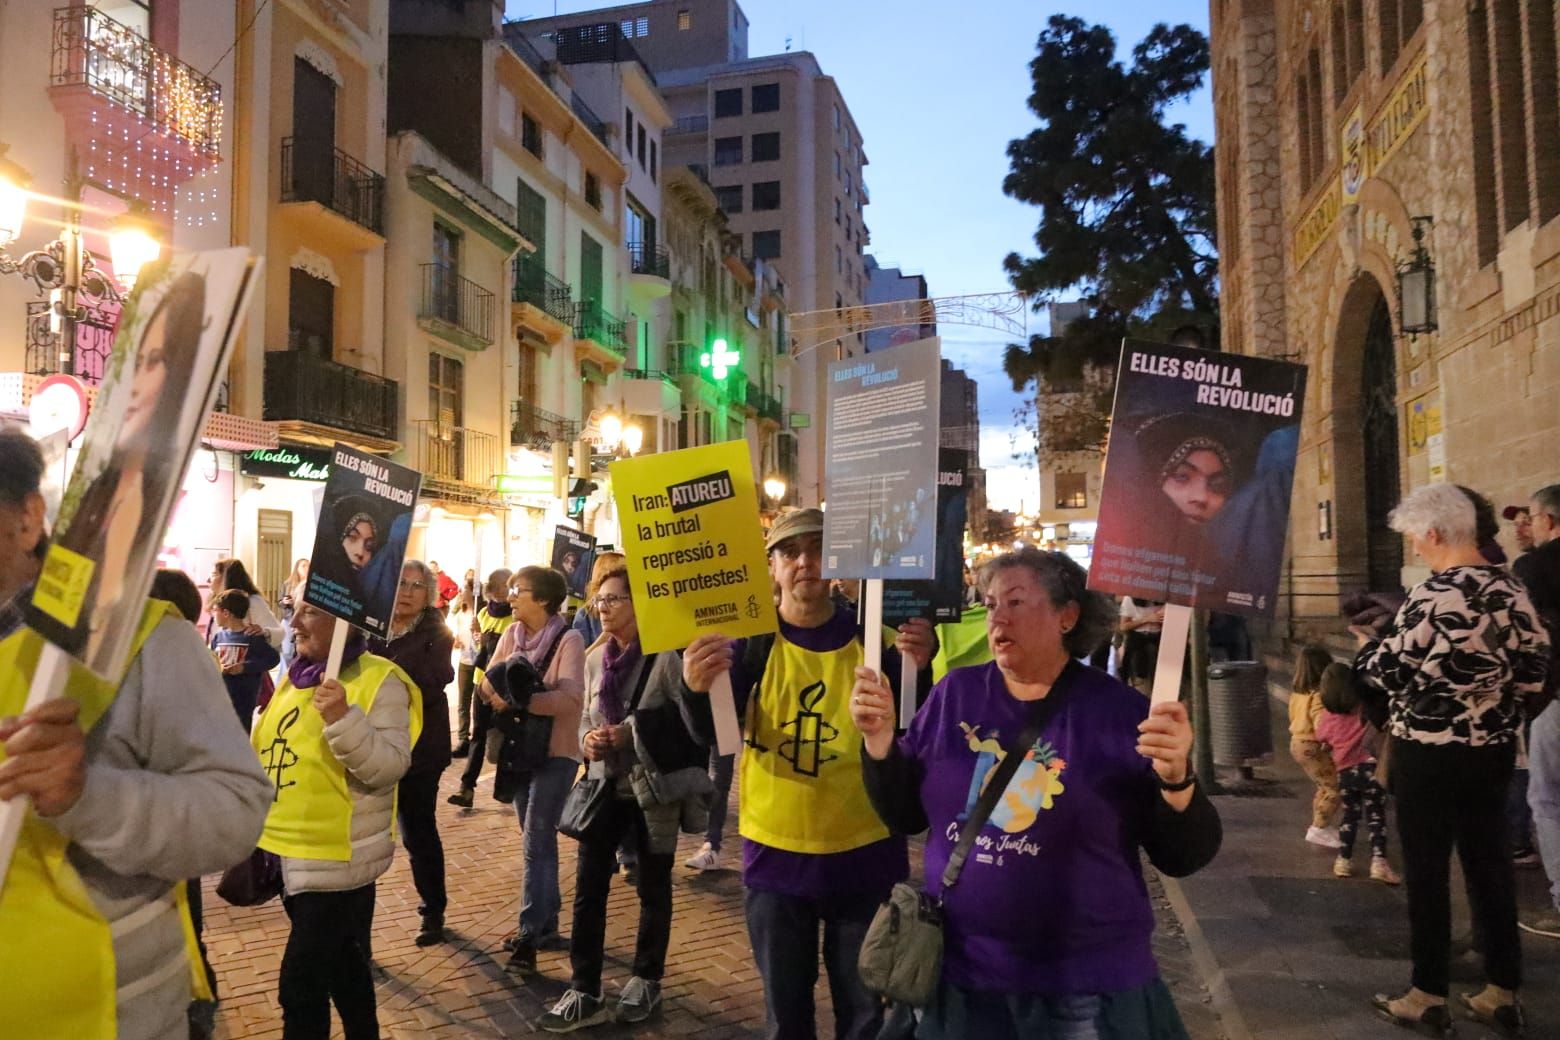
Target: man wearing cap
<point>814,852</point>
<point>1522,525</point>
<point>1539,570</point>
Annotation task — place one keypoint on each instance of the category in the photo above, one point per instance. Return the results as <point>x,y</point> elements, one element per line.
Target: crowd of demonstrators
<point>1052,938</point>
<point>243,656</point>
<point>1308,750</point>
<point>536,779</point>
<point>259,620</point>
<point>133,790</point>
<point>1456,666</point>
<point>487,627</point>
<point>645,738</point>
<point>1539,571</point>
<point>335,750</point>
<point>815,855</point>
<point>421,644</point>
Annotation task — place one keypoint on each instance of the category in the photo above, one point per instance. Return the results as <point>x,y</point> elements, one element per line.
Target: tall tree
<point>1126,213</point>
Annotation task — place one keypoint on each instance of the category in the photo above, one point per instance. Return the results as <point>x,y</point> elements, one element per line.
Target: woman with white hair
<point>1456,663</point>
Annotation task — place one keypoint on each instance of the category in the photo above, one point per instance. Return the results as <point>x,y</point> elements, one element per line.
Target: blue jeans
<point>1544,792</point>
<point>784,932</point>
<point>720,773</point>
<point>956,1012</point>
<point>538,805</point>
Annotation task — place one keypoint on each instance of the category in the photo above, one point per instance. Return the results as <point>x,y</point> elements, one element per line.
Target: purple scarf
<point>617,664</point>
<point>305,674</point>
<point>533,649</point>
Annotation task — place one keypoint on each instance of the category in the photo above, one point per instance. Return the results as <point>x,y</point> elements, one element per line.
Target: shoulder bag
<point>518,741</point>
<point>253,881</point>
<point>901,957</point>
<point>589,794</point>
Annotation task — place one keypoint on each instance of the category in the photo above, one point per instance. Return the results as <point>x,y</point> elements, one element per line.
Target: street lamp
<point>774,487</point>
<point>633,438</point>
<point>1416,285</point>
<point>65,269</point>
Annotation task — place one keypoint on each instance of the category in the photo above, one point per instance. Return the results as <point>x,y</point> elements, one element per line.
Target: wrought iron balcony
<point>649,260</point>
<point>535,286</point>
<point>456,302</point>
<point>592,121</point>
<point>314,171</point>
<point>767,406</point>
<point>648,373</point>
<point>539,428</point>
<point>596,325</point>
<point>304,388</point>
<point>115,62</point>
<point>46,354</point>
<point>455,454</point>
<point>690,125</point>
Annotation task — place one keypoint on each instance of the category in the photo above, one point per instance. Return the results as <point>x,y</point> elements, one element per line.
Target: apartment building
<point>784,155</point>
<point>110,107</point>
<point>891,285</point>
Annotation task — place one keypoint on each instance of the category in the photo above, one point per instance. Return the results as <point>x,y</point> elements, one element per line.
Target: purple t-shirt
<point>1051,899</point>
<point>869,871</point>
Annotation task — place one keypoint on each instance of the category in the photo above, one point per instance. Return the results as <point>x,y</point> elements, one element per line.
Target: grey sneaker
<point>1545,923</point>
<point>574,1010</point>
<point>639,1000</point>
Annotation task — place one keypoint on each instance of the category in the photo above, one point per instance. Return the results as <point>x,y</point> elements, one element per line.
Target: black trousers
<point>1455,795</point>
<point>483,721</point>
<point>416,796</point>
<point>594,871</point>
<point>465,685</point>
<point>327,961</point>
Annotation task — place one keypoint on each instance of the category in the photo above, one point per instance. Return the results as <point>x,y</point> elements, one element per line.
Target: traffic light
<point>719,359</point>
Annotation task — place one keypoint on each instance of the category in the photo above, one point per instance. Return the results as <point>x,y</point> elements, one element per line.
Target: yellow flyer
<point>695,549</point>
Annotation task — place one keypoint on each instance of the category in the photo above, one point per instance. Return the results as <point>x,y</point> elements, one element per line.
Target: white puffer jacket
<point>376,749</point>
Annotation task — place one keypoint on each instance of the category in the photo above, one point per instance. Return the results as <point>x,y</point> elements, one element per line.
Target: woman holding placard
<point>1049,933</point>
<point>335,749</point>
<point>638,736</point>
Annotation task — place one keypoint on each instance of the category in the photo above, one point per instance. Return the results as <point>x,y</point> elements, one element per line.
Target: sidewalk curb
<point>1219,995</point>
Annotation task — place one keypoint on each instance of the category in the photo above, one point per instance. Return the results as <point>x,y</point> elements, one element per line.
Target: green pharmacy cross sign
<point>719,359</point>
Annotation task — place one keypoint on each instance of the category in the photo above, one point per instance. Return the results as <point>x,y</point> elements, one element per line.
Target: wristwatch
<point>1187,781</point>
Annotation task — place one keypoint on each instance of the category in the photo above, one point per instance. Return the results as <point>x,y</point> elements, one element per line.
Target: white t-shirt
<point>1130,611</point>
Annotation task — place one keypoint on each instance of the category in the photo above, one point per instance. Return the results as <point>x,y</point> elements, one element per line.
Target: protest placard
<point>694,547</point>
<point>1198,472</point>
<point>170,355</point>
<point>360,541</point>
<point>572,555</point>
<point>941,598</point>
<point>880,472</point>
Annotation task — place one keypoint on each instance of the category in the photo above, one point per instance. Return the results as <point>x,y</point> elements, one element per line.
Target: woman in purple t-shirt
<point>1048,928</point>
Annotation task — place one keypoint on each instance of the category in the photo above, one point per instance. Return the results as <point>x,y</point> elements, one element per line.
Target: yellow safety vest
<point>311,814</point>
<point>486,624</point>
<point>57,972</point>
<point>801,773</point>
<point>961,643</point>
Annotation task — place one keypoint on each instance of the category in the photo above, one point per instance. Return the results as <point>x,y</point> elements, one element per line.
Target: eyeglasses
<point>516,590</point>
<point>611,601</point>
<point>411,586</point>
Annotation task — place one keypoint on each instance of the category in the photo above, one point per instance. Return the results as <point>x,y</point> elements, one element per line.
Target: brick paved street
<point>461,989</point>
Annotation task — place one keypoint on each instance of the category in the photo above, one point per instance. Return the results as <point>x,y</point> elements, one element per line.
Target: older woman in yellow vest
<point>334,749</point>
<point>133,789</point>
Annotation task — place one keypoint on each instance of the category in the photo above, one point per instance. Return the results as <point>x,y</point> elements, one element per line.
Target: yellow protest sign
<point>695,550</point>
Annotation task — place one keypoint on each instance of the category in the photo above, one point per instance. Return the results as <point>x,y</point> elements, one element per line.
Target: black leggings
<point>1455,795</point>
<point>1361,794</point>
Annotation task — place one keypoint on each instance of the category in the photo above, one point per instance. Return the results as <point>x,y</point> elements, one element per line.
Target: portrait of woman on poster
<point>107,525</point>
<point>353,543</point>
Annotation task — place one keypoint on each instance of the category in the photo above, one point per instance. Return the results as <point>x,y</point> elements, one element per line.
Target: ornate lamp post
<point>64,268</point>
<point>1416,285</point>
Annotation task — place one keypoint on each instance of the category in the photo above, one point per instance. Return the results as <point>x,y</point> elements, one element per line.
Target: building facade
<point>1358,141</point>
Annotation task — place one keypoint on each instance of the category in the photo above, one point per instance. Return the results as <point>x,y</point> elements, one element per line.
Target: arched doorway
<point>1379,440</point>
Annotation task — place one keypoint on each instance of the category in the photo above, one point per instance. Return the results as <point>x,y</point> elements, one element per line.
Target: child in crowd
<point>1305,707</point>
<point>1350,739</point>
<point>244,658</point>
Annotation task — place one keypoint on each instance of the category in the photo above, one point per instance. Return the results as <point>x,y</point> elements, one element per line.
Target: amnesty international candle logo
<point>693,542</point>
<point>806,748</point>
<point>278,757</point>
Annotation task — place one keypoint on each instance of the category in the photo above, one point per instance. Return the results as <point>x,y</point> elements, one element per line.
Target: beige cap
<point>791,523</point>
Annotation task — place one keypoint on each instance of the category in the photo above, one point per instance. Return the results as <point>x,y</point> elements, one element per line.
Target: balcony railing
<point>305,388</point>
<point>603,42</point>
<point>539,428</point>
<point>592,121</point>
<point>317,172</point>
<point>650,260</point>
<point>768,406</point>
<point>118,63</point>
<point>46,355</point>
<point>515,37</point>
<point>596,325</point>
<point>457,301</point>
<point>455,453</point>
<point>690,125</point>
<point>535,286</point>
